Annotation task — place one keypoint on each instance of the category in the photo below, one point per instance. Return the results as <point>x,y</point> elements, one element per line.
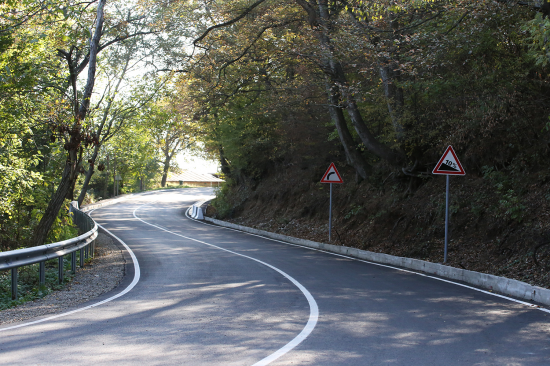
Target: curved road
<point>212,296</point>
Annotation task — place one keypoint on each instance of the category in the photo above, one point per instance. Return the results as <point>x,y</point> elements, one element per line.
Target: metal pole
<point>330,216</point>
<point>446,220</point>
<point>60,269</point>
<point>42,273</point>
<point>73,262</point>
<point>14,283</point>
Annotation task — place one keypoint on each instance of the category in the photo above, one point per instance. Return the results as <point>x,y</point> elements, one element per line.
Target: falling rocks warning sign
<point>449,164</point>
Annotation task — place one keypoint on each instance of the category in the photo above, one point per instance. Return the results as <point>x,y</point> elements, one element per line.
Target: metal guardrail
<point>84,243</point>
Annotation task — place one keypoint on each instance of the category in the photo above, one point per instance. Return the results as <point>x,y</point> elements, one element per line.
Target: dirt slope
<point>498,225</point>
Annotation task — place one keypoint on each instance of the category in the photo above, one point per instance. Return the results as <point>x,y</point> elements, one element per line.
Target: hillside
<point>492,230</point>
<point>381,91</point>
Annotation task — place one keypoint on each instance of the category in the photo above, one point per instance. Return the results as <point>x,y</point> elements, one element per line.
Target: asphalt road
<point>212,296</point>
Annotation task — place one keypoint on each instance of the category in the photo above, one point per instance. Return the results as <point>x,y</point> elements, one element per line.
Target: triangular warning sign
<point>449,164</point>
<point>332,175</point>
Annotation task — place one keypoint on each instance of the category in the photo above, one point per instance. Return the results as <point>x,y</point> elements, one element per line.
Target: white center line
<point>313,308</point>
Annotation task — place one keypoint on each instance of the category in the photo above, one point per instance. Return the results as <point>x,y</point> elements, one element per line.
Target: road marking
<point>137,275</point>
<point>532,306</point>
<point>313,308</point>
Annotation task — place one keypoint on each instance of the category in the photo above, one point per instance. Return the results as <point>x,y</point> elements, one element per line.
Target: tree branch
<point>94,49</point>
<point>457,23</point>
<point>232,21</point>
<point>260,33</point>
<point>86,59</point>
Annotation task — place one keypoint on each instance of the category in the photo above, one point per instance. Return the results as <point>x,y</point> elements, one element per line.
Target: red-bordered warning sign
<point>449,164</point>
<point>332,175</point>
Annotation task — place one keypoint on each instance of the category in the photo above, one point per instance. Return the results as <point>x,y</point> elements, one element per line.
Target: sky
<point>196,164</point>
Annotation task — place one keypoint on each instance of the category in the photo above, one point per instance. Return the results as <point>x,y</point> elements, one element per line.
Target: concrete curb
<point>502,285</point>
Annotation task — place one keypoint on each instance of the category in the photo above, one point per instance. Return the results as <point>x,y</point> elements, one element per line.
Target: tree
<point>69,37</point>
<point>357,45</point>
<point>74,134</point>
<point>539,29</point>
<point>27,93</point>
<point>72,126</point>
<point>171,128</point>
<point>320,18</point>
<point>121,103</point>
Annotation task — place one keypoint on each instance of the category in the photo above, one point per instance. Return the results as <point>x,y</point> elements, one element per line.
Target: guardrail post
<point>42,273</point>
<point>73,262</point>
<point>14,283</point>
<point>86,251</point>
<point>81,258</point>
<point>60,270</point>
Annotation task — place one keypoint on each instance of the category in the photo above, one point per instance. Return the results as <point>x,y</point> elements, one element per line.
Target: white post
<point>446,221</point>
<point>330,216</point>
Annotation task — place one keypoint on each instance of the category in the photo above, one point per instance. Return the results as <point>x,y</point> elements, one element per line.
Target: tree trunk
<point>354,157</point>
<point>165,170</point>
<point>50,214</point>
<point>394,98</point>
<point>389,75</point>
<point>89,174</point>
<point>226,170</point>
<point>73,146</point>
<point>335,72</point>
<point>107,174</point>
<point>369,140</point>
<point>115,184</point>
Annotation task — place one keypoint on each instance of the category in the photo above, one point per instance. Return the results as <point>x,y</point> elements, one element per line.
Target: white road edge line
<point>532,306</point>
<point>137,275</point>
<point>313,308</point>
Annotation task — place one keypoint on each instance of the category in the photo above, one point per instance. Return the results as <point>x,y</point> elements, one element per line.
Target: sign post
<point>330,216</point>
<point>117,180</point>
<point>331,176</point>
<point>448,165</point>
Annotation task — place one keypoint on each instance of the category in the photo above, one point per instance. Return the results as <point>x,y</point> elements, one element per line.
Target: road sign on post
<point>331,176</point>
<point>448,165</point>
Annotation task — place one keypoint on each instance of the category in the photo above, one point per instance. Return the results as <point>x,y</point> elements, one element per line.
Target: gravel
<point>97,277</point>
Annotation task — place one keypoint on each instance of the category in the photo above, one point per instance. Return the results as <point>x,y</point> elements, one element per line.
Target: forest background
<point>276,90</point>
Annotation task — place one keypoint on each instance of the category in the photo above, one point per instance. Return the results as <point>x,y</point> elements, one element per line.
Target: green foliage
<point>224,207</point>
<point>461,71</point>
<point>250,139</point>
<point>63,227</point>
<point>135,156</point>
<point>539,39</point>
<point>498,178</point>
<point>511,206</point>
<point>354,211</point>
<point>461,67</point>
